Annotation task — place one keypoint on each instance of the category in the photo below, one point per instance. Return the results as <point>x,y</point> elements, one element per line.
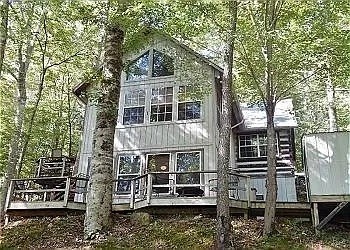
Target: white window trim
<point>200,168</point>
<point>119,174</point>
<point>188,101</point>
<point>258,146</point>
<point>149,111</point>
<point>150,66</point>
<point>134,106</point>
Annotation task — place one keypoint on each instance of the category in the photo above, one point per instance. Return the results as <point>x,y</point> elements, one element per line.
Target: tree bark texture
<point>223,236</point>
<point>99,201</point>
<point>4,10</point>
<point>270,103</point>
<point>332,114</point>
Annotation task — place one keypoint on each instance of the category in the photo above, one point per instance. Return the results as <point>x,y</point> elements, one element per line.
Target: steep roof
<point>255,115</point>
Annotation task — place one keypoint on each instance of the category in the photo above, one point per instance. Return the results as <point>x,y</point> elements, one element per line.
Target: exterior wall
<point>257,167</point>
<point>87,137</point>
<point>327,162</point>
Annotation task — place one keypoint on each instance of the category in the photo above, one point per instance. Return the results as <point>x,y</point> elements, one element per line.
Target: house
<point>168,125</point>
<point>166,139</point>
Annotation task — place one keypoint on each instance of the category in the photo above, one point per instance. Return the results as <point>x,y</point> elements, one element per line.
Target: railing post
<point>248,190</point>
<point>132,193</point>
<point>66,192</point>
<point>9,194</point>
<point>149,187</point>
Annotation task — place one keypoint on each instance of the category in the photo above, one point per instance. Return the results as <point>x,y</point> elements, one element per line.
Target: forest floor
<point>175,232</point>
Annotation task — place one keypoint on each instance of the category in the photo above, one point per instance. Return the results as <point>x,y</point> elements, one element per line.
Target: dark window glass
<point>161,104</point>
<point>133,115</point>
<point>129,167</point>
<point>186,162</point>
<point>189,110</point>
<point>163,65</point>
<point>253,145</point>
<point>138,69</point>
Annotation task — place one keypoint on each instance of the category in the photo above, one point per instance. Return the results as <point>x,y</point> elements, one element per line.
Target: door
<point>159,163</point>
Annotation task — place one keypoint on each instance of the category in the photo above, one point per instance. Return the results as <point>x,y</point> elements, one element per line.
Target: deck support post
<point>331,215</point>
<point>66,192</point>
<point>315,216</point>
<point>132,194</point>
<point>248,191</point>
<point>7,220</point>
<point>149,188</point>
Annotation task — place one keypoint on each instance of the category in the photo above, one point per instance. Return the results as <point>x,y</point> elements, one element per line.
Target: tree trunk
<point>99,202</point>
<point>223,226</point>
<point>332,114</point>
<point>271,181</point>
<point>270,103</point>
<point>4,10</point>
<point>10,172</point>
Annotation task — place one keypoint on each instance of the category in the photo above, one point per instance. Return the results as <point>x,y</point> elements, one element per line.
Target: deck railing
<point>152,185</point>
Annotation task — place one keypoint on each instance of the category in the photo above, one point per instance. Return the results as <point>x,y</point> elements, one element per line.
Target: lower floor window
<point>129,167</point>
<point>187,162</point>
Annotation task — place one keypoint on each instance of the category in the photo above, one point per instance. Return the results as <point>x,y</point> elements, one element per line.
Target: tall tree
<point>4,10</point>
<point>99,202</point>
<point>223,206</point>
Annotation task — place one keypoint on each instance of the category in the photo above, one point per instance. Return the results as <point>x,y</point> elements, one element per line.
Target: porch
<point>151,191</point>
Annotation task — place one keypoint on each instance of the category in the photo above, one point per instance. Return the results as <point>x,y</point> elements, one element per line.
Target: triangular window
<point>138,69</point>
<point>163,65</point>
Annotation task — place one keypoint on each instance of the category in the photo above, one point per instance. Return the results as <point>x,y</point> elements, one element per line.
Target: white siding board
<point>328,163</point>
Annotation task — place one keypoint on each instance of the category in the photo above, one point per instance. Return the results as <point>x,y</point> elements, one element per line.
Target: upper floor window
<point>187,108</point>
<point>134,107</point>
<point>251,146</point>
<point>138,69</point>
<point>162,65</point>
<point>161,104</point>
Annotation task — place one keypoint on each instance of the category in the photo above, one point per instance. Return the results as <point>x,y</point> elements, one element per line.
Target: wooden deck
<point>69,194</point>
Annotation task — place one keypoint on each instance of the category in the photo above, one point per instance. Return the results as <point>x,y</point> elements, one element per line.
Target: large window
<point>138,69</point>
<point>134,107</point>
<point>128,168</point>
<point>251,146</point>
<point>161,104</point>
<point>162,65</point>
<point>187,108</point>
<point>186,162</point>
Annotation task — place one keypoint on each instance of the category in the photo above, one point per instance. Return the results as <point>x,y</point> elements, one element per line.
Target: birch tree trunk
<point>223,227</point>
<point>4,10</point>
<point>332,114</point>
<point>99,201</point>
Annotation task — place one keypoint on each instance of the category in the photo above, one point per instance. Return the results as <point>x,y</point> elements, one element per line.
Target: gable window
<point>143,67</point>
<point>251,146</point>
<point>163,65</point>
<point>187,162</point>
<point>187,109</point>
<point>161,104</point>
<point>129,167</point>
<point>138,69</point>
<point>134,107</point>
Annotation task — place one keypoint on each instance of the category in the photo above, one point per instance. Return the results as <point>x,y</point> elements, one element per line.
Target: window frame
<point>257,146</point>
<point>126,106</point>
<point>149,75</point>
<point>190,100</point>
<point>164,104</point>
<point>132,174</point>
<point>200,168</point>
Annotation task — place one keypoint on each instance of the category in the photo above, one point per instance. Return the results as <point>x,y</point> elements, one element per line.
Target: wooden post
<point>40,165</point>
<point>66,192</point>
<point>132,194</point>
<point>149,187</point>
<point>9,195</point>
<point>315,216</point>
<point>248,191</point>
<point>63,165</point>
